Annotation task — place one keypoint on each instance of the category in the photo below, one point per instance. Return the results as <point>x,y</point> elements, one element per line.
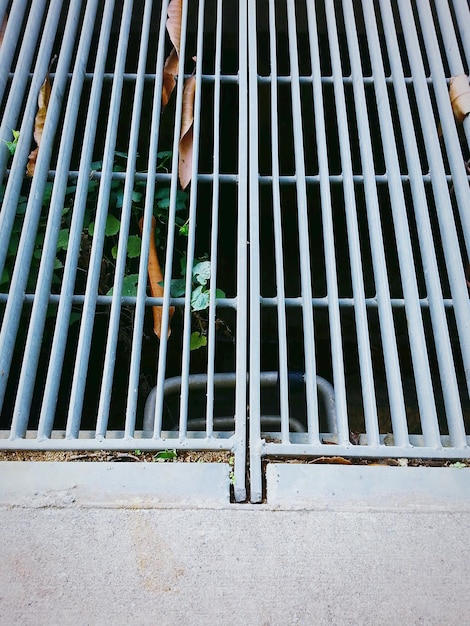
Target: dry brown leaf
<point>3,28</point>
<point>170,72</point>
<point>186,135</point>
<point>459,93</point>
<point>173,23</point>
<point>155,278</point>
<point>335,460</point>
<point>43,103</point>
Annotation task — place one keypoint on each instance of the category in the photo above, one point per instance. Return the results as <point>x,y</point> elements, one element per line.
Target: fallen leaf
<point>156,279</point>
<point>173,23</point>
<point>170,72</point>
<point>459,94</point>
<point>336,460</point>
<point>43,103</point>
<point>186,135</point>
<point>3,28</point>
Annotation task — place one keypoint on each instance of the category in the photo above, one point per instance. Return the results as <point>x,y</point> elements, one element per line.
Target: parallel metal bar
<point>126,211</point>
<point>211,339</point>
<point>163,346</point>
<point>49,249</point>
<point>140,304</point>
<point>337,355</point>
<point>192,228</point>
<point>279,254</point>
<point>462,18</point>
<point>447,226</point>
<point>449,130</point>
<point>403,241</point>
<point>242,259</point>
<point>387,329</point>
<point>452,51</point>
<point>304,242</point>
<point>67,297</point>
<point>12,109</point>
<point>91,290</point>
<point>355,255</point>
<point>436,302</point>
<point>11,37</point>
<point>20,276</point>
<point>256,489</point>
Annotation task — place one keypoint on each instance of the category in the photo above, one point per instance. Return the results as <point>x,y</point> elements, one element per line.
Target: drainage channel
<point>300,172</point>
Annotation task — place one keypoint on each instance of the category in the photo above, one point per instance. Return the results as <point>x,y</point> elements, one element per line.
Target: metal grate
<point>330,195</point>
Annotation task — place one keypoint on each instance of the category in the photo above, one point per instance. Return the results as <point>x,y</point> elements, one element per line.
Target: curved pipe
<point>228,380</point>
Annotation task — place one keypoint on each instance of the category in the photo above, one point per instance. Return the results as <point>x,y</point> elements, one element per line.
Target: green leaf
<point>123,155</point>
<point>199,299</point>
<point>164,455</point>
<point>96,165</point>
<point>219,293</point>
<point>74,317</point>
<point>178,287</point>
<point>5,278</point>
<point>458,465</point>
<point>112,226</point>
<point>197,341</point>
<point>137,196</point>
<point>202,272</point>
<point>129,286</point>
<point>114,251</point>
<point>63,239</point>
<point>134,244</point>
<point>58,265</point>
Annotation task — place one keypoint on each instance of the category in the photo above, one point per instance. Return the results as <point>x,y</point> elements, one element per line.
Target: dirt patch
<point>106,456</point>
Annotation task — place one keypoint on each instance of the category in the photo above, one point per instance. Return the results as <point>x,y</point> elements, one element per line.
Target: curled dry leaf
<point>170,72</point>
<point>186,135</point>
<point>156,279</point>
<point>459,93</point>
<point>3,27</point>
<point>335,460</point>
<point>173,23</point>
<point>43,103</point>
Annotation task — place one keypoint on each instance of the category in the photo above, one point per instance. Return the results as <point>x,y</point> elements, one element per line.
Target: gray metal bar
<point>11,114</point>
<point>115,313</point>
<point>279,254</point>
<point>436,303</point>
<point>462,18</point>
<point>163,346</point>
<point>392,366</point>
<point>254,268</point>
<point>416,335</point>
<point>91,291</point>
<point>140,303</point>
<point>11,37</point>
<point>334,317</point>
<point>242,258</point>
<point>304,243</point>
<point>192,227</point>
<point>355,255</point>
<point>454,59</point>
<point>67,297</point>
<point>447,227</point>
<point>19,279</point>
<point>211,339</point>
<point>49,249</point>
<point>446,116</point>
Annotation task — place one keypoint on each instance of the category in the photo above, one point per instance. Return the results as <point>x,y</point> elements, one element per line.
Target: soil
<point>100,456</point>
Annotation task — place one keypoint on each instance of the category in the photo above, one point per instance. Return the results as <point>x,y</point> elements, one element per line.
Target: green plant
<point>201,268</point>
<point>11,145</point>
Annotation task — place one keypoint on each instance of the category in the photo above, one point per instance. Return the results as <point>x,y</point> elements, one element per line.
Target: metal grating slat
<point>329,200</point>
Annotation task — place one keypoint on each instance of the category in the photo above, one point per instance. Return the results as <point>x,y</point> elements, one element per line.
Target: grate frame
<point>351,218</point>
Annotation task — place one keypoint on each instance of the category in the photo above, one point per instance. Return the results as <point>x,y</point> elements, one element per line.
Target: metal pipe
<point>228,380</point>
